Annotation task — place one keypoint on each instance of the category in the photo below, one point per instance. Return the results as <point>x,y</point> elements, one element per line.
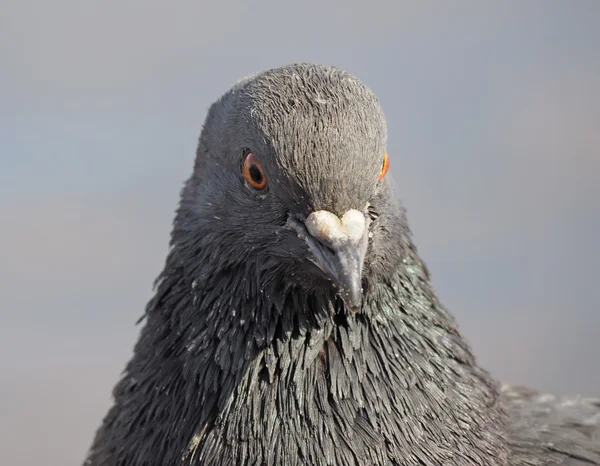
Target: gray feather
<point>248,354</point>
<point>566,429</point>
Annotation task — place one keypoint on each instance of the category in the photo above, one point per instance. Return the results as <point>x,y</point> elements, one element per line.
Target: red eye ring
<point>385,167</point>
<point>254,173</point>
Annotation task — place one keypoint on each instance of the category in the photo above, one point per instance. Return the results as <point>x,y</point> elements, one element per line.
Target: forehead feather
<point>326,128</point>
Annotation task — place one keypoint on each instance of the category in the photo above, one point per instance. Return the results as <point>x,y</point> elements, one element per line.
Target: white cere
<point>327,226</point>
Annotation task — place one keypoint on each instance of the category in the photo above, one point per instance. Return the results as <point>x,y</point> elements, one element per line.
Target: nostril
<point>326,248</point>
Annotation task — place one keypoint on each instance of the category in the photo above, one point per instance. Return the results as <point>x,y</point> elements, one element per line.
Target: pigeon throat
<point>269,380</point>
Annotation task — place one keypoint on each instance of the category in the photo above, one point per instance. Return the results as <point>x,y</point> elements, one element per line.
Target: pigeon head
<point>289,181</point>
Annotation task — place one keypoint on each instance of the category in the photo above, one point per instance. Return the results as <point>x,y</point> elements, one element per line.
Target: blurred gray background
<point>494,123</point>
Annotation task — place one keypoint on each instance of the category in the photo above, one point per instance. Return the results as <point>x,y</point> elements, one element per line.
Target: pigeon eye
<point>254,173</point>
<point>385,167</point>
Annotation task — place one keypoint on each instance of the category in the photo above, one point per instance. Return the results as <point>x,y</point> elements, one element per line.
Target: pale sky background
<point>494,121</point>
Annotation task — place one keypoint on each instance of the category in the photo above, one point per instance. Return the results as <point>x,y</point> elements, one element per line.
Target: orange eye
<point>254,173</point>
<point>385,167</point>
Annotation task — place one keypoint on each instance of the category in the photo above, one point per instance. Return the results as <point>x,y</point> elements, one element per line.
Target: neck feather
<point>240,372</point>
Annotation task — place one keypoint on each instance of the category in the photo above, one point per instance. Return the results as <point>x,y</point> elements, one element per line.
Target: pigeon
<point>294,322</point>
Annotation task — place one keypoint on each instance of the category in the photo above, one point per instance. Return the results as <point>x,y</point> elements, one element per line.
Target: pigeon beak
<point>338,248</point>
<point>343,264</point>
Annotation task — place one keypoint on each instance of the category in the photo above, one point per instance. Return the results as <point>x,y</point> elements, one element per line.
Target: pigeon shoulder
<point>548,429</point>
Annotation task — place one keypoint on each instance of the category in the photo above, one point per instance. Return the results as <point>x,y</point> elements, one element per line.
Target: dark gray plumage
<point>252,353</point>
